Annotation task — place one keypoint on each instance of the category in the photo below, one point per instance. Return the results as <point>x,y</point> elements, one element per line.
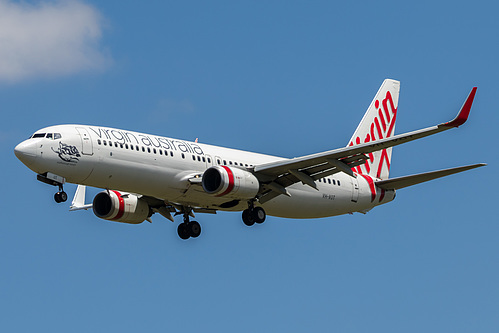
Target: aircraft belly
<point>306,202</point>
<point>309,203</point>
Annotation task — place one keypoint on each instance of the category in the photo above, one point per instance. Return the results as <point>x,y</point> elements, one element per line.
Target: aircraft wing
<point>276,176</point>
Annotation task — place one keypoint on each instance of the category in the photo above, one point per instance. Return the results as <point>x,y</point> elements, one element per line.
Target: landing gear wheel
<point>258,214</point>
<point>60,197</point>
<point>194,229</point>
<point>183,231</point>
<point>248,218</point>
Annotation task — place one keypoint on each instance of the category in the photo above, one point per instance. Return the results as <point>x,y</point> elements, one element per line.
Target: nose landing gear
<point>60,196</point>
<point>55,180</point>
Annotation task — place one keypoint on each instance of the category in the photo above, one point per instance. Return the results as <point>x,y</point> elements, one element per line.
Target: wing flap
<point>401,182</point>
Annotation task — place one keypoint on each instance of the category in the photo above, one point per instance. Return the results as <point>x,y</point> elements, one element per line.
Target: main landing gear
<point>253,215</point>
<point>188,228</point>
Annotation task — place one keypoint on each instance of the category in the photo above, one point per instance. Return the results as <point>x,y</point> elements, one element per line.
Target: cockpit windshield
<point>53,136</point>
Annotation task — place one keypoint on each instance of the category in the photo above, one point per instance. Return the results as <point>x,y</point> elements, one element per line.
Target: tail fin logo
<point>382,126</point>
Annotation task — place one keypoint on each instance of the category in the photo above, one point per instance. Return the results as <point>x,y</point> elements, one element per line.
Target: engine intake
<point>224,181</point>
<point>120,207</point>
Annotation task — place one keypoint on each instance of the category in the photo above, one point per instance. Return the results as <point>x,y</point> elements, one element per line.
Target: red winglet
<point>463,114</point>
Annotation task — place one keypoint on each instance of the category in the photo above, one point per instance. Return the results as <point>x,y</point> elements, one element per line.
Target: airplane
<point>143,174</point>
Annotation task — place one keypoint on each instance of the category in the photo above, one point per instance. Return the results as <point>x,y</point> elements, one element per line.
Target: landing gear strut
<point>188,228</point>
<point>253,215</point>
<point>55,180</point>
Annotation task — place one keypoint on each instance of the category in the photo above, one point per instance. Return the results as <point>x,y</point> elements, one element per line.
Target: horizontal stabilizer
<point>401,182</point>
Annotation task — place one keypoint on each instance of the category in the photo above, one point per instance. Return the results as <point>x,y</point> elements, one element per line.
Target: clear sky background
<point>288,78</point>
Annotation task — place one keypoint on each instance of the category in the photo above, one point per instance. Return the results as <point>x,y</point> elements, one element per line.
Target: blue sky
<point>281,77</point>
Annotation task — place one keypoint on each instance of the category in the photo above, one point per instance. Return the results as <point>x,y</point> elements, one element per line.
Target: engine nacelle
<point>120,207</point>
<point>224,181</point>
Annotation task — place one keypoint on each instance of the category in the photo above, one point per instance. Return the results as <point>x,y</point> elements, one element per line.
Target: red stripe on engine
<point>121,208</point>
<point>231,181</point>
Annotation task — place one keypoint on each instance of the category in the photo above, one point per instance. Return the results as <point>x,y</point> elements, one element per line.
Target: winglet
<point>463,114</point>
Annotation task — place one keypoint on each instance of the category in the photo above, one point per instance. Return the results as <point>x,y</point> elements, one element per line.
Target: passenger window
<point>209,160</point>
<point>98,141</point>
<point>121,145</point>
<point>199,159</point>
<point>334,182</point>
<point>104,142</point>
<point>339,183</point>
<point>126,145</point>
<point>218,161</point>
<point>148,150</point>
<point>171,154</point>
<point>230,162</point>
<point>160,151</point>
<point>154,150</point>
<point>143,150</point>
<point>225,162</point>
<point>193,157</point>
<point>329,181</point>
<point>183,156</point>
<point>204,160</point>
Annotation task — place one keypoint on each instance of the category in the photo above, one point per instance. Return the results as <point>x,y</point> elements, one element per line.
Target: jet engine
<point>120,207</point>
<point>224,181</point>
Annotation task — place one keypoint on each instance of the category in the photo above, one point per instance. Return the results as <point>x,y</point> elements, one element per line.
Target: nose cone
<point>26,152</point>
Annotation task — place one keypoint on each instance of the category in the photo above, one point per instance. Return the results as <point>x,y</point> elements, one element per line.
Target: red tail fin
<point>378,123</point>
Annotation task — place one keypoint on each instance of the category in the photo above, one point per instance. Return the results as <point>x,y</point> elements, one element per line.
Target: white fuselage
<point>161,167</point>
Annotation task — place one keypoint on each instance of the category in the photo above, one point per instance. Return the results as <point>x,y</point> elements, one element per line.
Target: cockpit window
<point>53,136</point>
